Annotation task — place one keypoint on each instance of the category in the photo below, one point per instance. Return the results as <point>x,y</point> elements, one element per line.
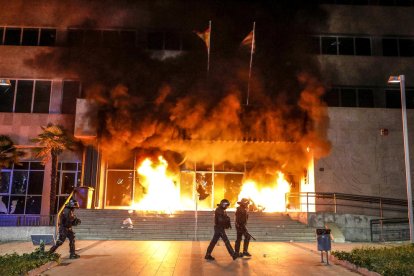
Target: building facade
<point>359,47</point>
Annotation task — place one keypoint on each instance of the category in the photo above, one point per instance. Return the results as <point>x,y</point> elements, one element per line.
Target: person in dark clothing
<point>67,220</point>
<point>221,222</point>
<point>241,220</point>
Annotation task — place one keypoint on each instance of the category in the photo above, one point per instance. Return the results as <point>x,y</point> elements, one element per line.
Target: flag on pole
<point>249,41</point>
<point>205,36</point>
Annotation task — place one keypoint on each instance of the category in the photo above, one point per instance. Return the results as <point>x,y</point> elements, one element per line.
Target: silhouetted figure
<point>67,220</point>
<point>221,222</point>
<point>241,220</point>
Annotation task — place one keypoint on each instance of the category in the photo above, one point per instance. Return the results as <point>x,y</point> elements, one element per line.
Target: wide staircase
<point>108,225</point>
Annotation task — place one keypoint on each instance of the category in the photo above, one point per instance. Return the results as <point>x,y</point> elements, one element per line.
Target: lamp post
<point>401,80</point>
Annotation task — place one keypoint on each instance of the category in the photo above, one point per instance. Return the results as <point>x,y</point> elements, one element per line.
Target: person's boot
<point>235,255</point>
<point>209,257</point>
<point>74,256</point>
<point>247,254</point>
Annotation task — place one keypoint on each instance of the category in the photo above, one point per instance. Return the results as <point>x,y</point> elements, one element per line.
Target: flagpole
<point>208,48</point>
<point>251,62</point>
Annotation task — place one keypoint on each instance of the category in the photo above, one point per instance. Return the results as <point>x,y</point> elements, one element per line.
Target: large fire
<point>162,191</point>
<point>267,199</point>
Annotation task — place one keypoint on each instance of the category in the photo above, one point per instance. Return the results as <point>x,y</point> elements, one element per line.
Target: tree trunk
<point>53,183</point>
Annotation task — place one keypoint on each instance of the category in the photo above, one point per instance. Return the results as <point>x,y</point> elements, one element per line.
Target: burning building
<point>160,132</point>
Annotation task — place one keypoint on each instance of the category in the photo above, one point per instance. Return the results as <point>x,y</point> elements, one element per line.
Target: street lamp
<point>401,80</point>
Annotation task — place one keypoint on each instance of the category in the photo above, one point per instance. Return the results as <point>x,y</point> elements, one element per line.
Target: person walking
<point>221,223</point>
<point>241,220</point>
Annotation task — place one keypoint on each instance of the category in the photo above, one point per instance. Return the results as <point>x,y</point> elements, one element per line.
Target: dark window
<point>365,98</point>
<point>392,99</point>
<point>37,166</point>
<point>7,97</point>
<point>24,96</point>
<point>406,47</point>
<point>12,36</point>
<point>42,97</point>
<point>22,166</point>
<point>361,2</point>
<point>390,47</point>
<point>75,37</point>
<point>409,99</point>
<point>47,37</point>
<point>70,93</point>
<point>172,41</point>
<point>1,35</point>
<point>68,182</point>
<point>332,97</point>
<point>127,39</point>
<point>362,46</point>
<point>5,182</point>
<point>110,39</point>
<point>403,2</point>
<point>189,42</point>
<point>19,185</point>
<point>30,37</point>
<point>4,204</point>
<point>156,41</point>
<point>348,97</point>
<point>69,166</point>
<point>35,182</point>
<point>92,38</point>
<point>33,204</point>
<point>329,45</point>
<point>346,45</point>
<point>17,205</point>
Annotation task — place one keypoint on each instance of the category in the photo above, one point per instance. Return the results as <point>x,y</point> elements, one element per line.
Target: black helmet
<point>224,203</point>
<point>244,201</point>
<point>72,203</point>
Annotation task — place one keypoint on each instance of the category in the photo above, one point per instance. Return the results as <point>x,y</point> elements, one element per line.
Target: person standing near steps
<point>241,220</point>
<point>221,223</point>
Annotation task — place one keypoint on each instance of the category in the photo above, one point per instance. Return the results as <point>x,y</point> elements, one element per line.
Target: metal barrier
<point>25,220</point>
<point>391,229</point>
<point>342,203</point>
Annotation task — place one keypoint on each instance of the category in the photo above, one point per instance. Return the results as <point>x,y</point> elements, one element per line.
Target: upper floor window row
<point>398,47</point>
<point>350,97</point>
<point>369,2</point>
<point>151,40</point>
<point>27,36</point>
<point>341,45</point>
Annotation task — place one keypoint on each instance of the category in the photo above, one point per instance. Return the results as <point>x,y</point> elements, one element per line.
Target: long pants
<point>240,234</point>
<point>219,232</point>
<point>63,234</point>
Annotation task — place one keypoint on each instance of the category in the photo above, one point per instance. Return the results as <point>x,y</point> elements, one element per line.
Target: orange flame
<point>268,199</point>
<point>162,193</point>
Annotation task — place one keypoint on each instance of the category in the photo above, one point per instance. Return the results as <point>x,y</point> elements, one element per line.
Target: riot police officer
<point>67,221</point>
<point>221,222</point>
<point>241,220</point>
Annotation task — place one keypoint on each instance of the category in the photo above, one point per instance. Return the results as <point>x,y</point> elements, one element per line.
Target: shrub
<point>385,260</point>
<point>14,264</point>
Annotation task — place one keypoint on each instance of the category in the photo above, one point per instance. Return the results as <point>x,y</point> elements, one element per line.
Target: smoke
<point>175,108</point>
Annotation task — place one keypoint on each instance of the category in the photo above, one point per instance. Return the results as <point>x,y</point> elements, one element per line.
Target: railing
<point>394,229</point>
<point>25,220</point>
<point>343,203</point>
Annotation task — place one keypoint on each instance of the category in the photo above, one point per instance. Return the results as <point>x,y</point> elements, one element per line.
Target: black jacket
<point>241,218</point>
<point>221,219</point>
<point>68,218</point>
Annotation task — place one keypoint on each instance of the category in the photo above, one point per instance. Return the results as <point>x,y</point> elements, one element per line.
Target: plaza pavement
<point>109,257</point>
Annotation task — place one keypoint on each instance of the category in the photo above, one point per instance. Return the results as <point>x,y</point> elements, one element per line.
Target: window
<point>156,41</point>
<point>21,188</point>
<point>75,37</point>
<point>365,98</point>
<point>348,97</point>
<point>71,91</point>
<point>12,36</point>
<point>392,98</point>
<point>24,93</point>
<point>47,37</point>
<point>406,47</point>
<point>127,39</point>
<point>92,38</point>
<point>42,97</point>
<point>7,97</point>
<point>389,47</point>
<point>329,45</point>
<point>30,37</point>
<point>332,97</point>
<point>110,39</point>
<point>69,174</point>
<point>362,46</point>
<point>172,41</point>
<point>341,45</point>
<point>346,45</point>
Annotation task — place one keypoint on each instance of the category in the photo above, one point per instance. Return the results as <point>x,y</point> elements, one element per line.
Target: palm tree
<point>9,154</point>
<point>53,140</point>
